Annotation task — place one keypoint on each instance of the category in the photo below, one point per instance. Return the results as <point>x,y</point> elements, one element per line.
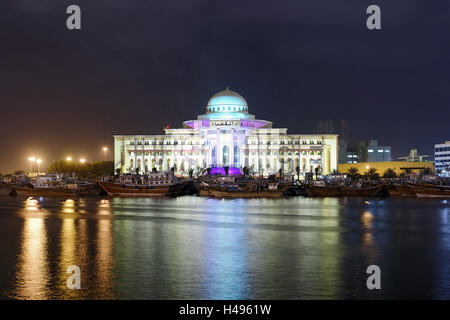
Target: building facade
<point>226,135</point>
<point>442,158</point>
<point>370,151</point>
<point>398,166</point>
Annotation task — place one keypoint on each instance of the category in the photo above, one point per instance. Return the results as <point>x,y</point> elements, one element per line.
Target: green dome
<point>227,101</point>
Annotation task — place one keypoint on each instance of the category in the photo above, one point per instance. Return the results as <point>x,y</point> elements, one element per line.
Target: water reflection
<point>32,276</point>
<point>199,248</point>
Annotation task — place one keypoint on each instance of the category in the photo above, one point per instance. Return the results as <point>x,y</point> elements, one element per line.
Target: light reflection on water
<point>198,248</point>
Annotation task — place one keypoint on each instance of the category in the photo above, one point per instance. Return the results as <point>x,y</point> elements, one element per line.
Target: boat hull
<point>314,191</point>
<point>36,192</point>
<point>244,194</point>
<point>431,192</point>
<point>401,191</point>
<point>117,189</point>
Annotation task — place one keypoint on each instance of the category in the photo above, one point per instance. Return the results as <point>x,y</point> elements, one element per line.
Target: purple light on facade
<point>231,171</point>
<point>253,123</point>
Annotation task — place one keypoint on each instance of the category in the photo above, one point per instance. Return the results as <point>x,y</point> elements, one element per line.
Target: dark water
<point>197,248</point>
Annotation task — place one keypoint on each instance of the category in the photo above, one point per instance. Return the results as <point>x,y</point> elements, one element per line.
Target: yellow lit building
<point>398,166</point>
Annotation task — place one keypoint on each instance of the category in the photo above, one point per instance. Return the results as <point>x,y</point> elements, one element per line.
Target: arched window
<point>236,156</point>
<point>226,155</point>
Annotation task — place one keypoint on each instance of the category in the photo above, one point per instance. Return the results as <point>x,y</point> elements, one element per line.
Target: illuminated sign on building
<point>215,123</point>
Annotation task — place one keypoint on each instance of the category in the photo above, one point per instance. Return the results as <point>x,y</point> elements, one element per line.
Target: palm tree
<point>389,174</point>
<point>426,171</point>
<point>191,173</point>
<point>372,174</point>
<point>353,173</point>
<point>407,170</point>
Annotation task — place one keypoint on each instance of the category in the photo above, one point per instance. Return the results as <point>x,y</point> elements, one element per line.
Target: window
<point>370,150</point>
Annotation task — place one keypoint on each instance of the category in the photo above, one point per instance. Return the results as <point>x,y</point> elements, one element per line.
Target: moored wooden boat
<point>53,192</point>
<point>140,189</point>
<point>332,191</point>
<point>431,191</point>
<point>401,190</point>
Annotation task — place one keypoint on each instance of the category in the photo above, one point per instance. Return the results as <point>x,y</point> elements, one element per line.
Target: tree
<point>426,171</point>
<point>137,170</point>
<point>280,172</point>
<point>82,170</point>
<point>372,174</point>
<point>407,170</point>
<point>191,173</point>
<point>245,171</point>
<point>19,172</point>
<point>118,171</point>
<point>389,174</point>
<point>353,173</point>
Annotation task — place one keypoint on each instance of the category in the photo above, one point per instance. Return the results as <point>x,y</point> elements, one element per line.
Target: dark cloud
<point>138,65</point>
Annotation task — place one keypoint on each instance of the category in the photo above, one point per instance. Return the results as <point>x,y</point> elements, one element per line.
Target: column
<point>218,148</point>
<point>233,143</point>
<point>143,155</point>
<point>135,156</point>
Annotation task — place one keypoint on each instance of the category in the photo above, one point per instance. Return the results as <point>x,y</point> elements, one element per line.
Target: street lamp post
<point>105,149</point>
<point>31,159</point>
<point>38,161</point>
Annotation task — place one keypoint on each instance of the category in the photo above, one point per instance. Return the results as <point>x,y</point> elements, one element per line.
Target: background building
<point>398,166</point>
<point>227,135</point>
<point>414,156</point>
<point>442,158</point>
<point>370,151</point>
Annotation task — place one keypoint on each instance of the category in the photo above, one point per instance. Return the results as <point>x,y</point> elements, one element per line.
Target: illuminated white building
<point>442,158</point>
<point>227,135</point>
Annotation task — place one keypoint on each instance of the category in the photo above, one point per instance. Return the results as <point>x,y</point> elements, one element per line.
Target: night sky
<point>137,66</point>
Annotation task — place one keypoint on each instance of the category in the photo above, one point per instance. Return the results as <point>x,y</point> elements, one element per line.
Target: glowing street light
<point>69,158</point>
<point>82,161</point>
<point>38,161</point>
<point>105,149</point>
<point>31,159</point>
